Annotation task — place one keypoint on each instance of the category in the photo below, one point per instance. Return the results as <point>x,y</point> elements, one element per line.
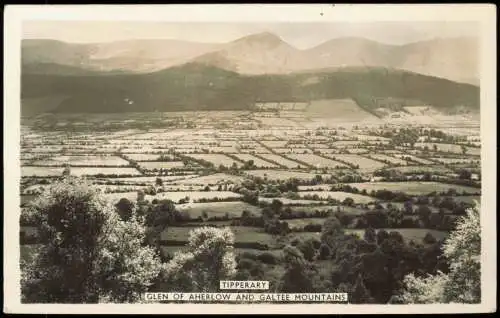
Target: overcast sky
<point>301,35</point>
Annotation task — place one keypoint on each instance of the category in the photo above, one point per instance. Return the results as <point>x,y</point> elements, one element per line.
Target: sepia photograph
<point>338,158</point>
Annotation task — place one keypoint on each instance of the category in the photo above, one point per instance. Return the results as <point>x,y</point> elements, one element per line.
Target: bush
<point>268,258</point>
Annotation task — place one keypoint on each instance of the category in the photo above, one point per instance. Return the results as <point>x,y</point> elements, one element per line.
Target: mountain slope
<point>128,56</point>
<point>196,86</point>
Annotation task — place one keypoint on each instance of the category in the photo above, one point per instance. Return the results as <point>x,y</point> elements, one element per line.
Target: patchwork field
<point>82,161</point>
<point>363,162</point>
<point>257,161</point>
<point>317,161</point>
<point>216,159</point>
<point>281,161</point>
<point>92,171</point>
<point>393,160</point>
<point>151,165</point>
<point>282,174</point>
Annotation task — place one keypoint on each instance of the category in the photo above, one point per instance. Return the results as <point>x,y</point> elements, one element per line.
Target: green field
<point>242,234</point>
<point>219,209</point>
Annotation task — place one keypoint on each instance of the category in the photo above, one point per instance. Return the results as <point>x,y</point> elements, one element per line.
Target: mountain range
<point>454,59</point>
<point>171,75</point>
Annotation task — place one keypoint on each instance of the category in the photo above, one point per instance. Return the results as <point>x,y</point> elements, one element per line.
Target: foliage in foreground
<point>463,283</point>
<point>90,255</point>
<point>209,258</point>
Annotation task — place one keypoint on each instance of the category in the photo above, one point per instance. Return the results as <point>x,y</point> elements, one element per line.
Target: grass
<point>193,195</point>
<point>35,171</point>
<point>257,161</point>
<point>283,174</point>
<point>92,171</point>
<point>280,160</point>
<point>243,234</point>
<point>150,165</point>
<point>83,160</point>
<point>216,159</point>
<point>219,209</point>
<point>362,162</point>
<point>317,161</point>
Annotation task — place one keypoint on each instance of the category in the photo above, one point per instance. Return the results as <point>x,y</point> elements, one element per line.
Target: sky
<point>302,35</point>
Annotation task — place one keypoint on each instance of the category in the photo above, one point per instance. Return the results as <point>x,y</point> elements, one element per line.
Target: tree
<point>298,277</point>
<point>159,182</point>
<point>67,170</point>
<point>125,209</point>
<point>209,258</point>
<point>89,254</point>
<point>462,284</point>
<point>359,293</point>
<point>370,235</point>
<point>348,201</point>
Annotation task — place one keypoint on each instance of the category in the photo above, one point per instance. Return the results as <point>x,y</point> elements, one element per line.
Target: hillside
<point>197,86</point>
<point>264,53</point>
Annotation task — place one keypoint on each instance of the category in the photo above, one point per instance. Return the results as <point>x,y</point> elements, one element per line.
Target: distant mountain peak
<point>261,38</point>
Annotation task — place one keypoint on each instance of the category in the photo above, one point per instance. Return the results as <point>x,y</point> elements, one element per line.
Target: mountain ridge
<point>264,52</point>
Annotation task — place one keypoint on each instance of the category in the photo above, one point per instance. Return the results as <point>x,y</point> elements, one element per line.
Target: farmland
<point>234,168</point>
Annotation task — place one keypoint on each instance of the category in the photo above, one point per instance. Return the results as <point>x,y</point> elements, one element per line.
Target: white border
<point>15,14</point>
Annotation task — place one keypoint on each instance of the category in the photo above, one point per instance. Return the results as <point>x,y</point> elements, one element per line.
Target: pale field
<point>318,146</point>
<point>328,150</point>
<point>346,143</point>
<point>90,171</point>
<point>282,174</point>
<point>287,201</point>
<point>317,161</point>
<point>277,122</point>
<point>152,179</point>
<point>292,150</point>
<point>151,165</point>
<point>364,163</point>
<point>392,160</point>
<point>33,171</point>
<point>144,157</point>
<point>257,150</point>
<point>280,160</point>
<point>216,159</point>
<point>213,179</point>
<point>371,138</point>
<point>44,149</point>
<point>449,148</point>
<point>274,143</point>
<point>194,195</point>
<point>437,169</point>
<point>257,161</point>
<point>358,150</point>
<point>457,160</point>
<point>339,195</point>
<point>90,160</point>
<point>346,109</point>
<point>413,158</point>
<point>414,187</point>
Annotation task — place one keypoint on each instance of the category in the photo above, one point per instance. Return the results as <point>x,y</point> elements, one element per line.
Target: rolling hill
<point>263,53</point>
<point>204,87</point>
